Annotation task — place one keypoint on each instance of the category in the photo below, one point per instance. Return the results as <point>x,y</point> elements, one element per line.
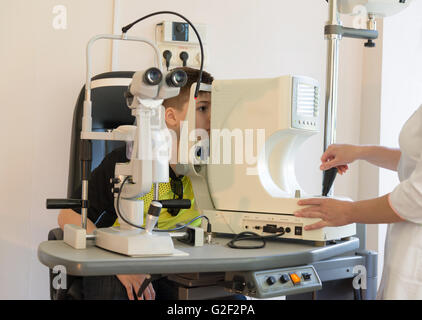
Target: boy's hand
<point>132,283</point>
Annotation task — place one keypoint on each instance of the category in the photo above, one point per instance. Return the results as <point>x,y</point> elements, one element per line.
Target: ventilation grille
<point>307,100</point>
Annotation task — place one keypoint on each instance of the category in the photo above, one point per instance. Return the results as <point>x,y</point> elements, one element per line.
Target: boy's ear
<point>170,117</point>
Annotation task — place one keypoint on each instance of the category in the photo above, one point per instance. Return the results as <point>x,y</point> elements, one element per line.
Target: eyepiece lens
<point>177,78</point>
<point>153,76</point>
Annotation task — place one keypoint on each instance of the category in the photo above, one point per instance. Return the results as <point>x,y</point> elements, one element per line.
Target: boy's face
<point>174,116</point>
<point>203,111</point>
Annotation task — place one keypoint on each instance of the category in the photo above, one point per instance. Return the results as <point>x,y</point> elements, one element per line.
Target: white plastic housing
<point>381,8</point>
<point>134,243</point>
<point>74,236</point>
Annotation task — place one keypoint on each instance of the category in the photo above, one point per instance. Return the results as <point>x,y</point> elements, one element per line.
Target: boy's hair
<point>193,74</point>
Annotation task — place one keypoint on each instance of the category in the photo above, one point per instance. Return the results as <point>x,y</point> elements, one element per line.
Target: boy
<point>101,213</point>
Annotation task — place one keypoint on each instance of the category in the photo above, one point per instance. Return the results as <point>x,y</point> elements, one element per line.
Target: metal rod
<point>84,211</point>
<point>332,79</point>
<point>333,13</point>
<point>331,93</point>
<point>112,37</point>
<point>156,191</point>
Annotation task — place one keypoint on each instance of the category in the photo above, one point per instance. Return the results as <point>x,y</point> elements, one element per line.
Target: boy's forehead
<point>204,96</point>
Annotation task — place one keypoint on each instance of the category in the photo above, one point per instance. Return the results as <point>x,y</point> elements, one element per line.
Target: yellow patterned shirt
<point>166,220</point>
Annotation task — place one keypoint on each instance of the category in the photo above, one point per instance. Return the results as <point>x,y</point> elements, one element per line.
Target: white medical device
<point>148,166</point>
<point>380,8</point>
<point>149,163</point>
<point>238,197</point>
<point>259,196</point>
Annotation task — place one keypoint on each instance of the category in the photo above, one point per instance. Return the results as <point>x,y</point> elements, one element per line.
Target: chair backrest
<point>109,110</point>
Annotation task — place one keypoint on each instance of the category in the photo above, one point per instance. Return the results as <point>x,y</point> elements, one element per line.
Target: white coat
<point>402,274</point>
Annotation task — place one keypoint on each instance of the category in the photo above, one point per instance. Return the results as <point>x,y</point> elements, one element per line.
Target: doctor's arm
<point>339,155</point>
<point>338,213</point>
<point>404,203</point>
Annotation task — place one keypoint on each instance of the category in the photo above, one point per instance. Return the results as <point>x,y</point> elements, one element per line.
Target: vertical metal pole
<point>156,191</point>
<point>331,95</point>
<point>86,159</point>
<point>84,210</point>
<point>332,79</point>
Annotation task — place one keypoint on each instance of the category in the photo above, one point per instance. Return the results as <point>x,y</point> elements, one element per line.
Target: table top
<point>215,257</point>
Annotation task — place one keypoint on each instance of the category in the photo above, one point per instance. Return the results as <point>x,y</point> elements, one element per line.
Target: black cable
<point>157,230</point>
<point>129,26</point>
<point>118,207</point>
<point>248,235</point>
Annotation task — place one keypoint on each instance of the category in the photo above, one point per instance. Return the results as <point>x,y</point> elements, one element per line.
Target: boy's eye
<point>202,109</point>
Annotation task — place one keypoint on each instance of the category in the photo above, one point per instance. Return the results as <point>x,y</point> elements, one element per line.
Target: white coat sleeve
<point>406,198</point>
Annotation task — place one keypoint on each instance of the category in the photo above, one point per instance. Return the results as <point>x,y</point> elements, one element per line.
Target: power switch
<point>295,278</point>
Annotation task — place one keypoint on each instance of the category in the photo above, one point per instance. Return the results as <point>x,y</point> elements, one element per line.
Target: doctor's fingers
<point>330,154</point>
<point>318,225</point>
<point>312,202</point>
<point>309,214</point>
<point>336,162</point>
<point>342,169</point>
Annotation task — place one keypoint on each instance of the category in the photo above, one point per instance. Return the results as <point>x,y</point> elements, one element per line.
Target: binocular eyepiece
<point>153,76</point>
<point>176,78</point>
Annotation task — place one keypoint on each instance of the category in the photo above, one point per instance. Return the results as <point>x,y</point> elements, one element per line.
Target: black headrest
<point>109,110</point>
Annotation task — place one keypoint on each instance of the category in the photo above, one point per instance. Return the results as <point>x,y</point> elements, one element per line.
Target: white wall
<point>401,79</point>
<point>45,70</point>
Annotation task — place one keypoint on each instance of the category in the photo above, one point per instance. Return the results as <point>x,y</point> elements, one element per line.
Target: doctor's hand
<point>333,213</point>
<point>339,156</point>
<point>132,283</point>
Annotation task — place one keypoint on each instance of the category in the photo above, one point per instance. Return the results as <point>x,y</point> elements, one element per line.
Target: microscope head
<point>152,84</point>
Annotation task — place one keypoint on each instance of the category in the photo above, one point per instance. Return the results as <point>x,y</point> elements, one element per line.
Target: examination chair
<point>109,111</point>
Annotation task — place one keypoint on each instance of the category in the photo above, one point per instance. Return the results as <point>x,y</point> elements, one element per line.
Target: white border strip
<point>111,82</point>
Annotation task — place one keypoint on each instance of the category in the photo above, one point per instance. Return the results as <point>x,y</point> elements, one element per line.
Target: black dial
<point>284,278</point>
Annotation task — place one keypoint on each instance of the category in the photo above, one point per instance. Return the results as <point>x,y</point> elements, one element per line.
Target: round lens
<point>177,78</point>
<point>153,76</point>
